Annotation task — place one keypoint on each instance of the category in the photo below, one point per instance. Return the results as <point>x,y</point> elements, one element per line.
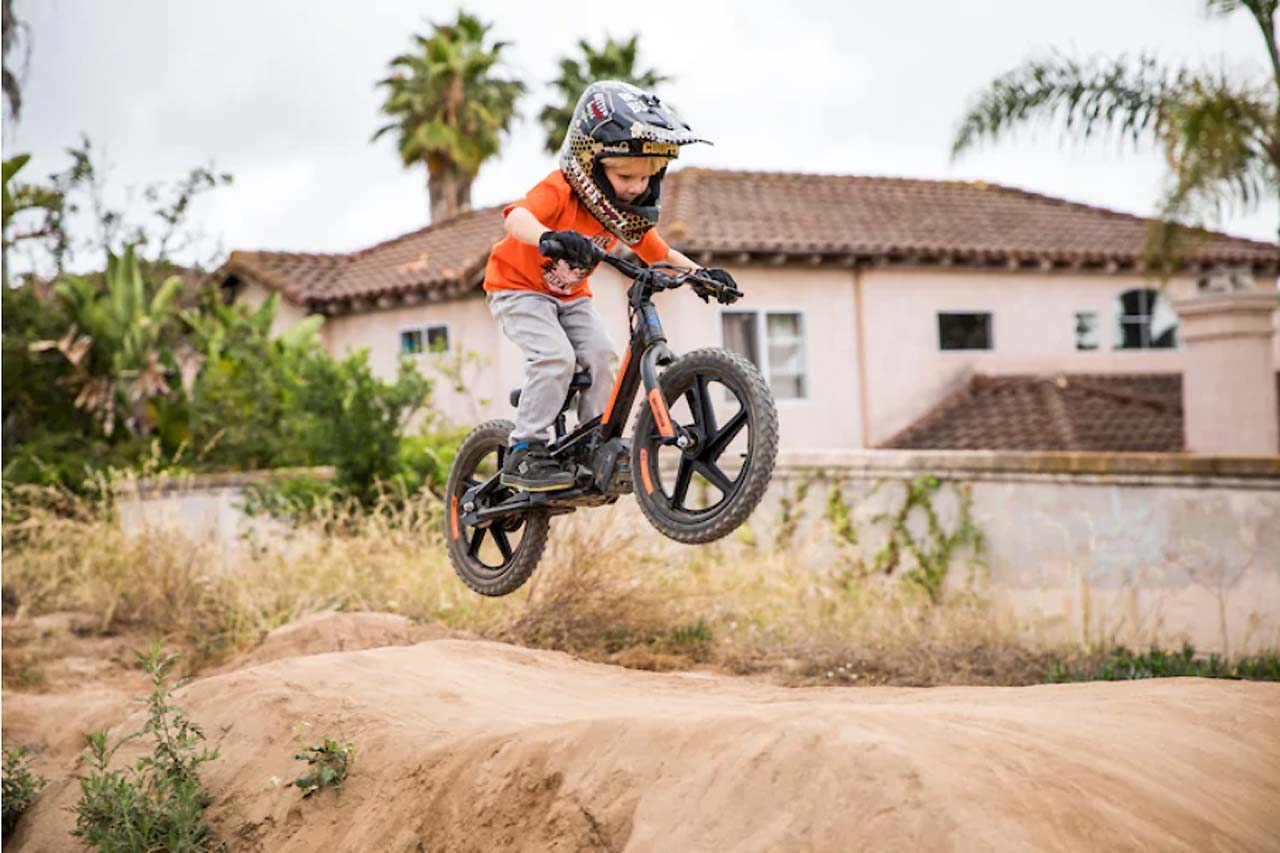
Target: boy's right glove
<point>570,246</point>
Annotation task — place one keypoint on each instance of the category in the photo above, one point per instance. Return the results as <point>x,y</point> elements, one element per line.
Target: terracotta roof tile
<point>1117,412</point>
<point>764,213</point>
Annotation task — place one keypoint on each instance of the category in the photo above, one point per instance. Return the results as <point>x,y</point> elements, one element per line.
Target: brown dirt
<point>467,745</point>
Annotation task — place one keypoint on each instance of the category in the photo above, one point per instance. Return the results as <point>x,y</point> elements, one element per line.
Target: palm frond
<point>1098,97</point>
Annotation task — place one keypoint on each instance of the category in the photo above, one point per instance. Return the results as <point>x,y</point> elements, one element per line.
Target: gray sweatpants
<point>554,336</point>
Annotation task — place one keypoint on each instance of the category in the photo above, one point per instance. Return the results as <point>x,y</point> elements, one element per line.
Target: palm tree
<point>615,61</point>
<point>449,110</point>
<point>14,31</point>
<point>1221,137</point>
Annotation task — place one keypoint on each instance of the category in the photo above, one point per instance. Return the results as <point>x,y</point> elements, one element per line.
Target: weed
<point>21,786</point>
<point>1120,664</point>
<point>158,803</point>
<point>687,635</point>
<point>932,552</point>
<point>841,518</point>
<point>330,762</point>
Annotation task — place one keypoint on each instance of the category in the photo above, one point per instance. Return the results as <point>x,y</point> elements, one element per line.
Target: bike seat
<point>580,382</point>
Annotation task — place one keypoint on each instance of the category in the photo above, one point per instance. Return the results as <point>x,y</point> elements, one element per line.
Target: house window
<point>1145,320</point>
<point>424,339</point>
<point>1087,337</point>
<point>774,342</point>
<point>968,331</point>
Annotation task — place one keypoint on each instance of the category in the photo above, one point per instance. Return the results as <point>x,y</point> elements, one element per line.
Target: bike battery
<point>611,465</point>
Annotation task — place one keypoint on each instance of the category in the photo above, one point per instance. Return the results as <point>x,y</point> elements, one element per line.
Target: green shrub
<point>158,804</point>
<point>21,786</point>
<point>329,762</point>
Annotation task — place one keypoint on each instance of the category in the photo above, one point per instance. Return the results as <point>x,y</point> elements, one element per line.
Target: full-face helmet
<point>615,119</point>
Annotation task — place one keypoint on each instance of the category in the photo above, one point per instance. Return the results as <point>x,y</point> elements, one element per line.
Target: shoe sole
<point>518,484</point>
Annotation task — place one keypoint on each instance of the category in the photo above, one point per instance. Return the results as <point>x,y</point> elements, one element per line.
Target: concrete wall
<point>1098,548</point>
<point>1080,548</point>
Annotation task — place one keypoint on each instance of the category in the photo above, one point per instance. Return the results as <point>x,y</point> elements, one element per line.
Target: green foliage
<point>158,803</point>
<point>790,512</point>
<point>686,635</point>
<point>119,345</point>
<point>21,786</point>
<point>933,552</point>
<point>425,459</point>
<point>1123,665</point>
<point>245,408</point>
<point>448,108</point>
<point>1221,137</point>
<point>329,762</point>
<point>840,517</point>
<point>355,419</point>
<point>615,61</point>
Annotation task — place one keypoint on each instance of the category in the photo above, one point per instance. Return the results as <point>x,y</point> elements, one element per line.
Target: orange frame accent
<point>661,417</point>
<point>644,470</point>
<point>453,514</point>
<point>617,385</point>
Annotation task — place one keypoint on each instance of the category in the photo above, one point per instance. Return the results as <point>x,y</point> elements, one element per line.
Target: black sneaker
<point>529,466</point>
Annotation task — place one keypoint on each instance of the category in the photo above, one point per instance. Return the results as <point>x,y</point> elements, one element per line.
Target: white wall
<point>1033,331</point>
<point>907,374</point>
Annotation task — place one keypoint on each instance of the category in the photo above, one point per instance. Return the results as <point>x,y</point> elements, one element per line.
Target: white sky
<point>281,94</point>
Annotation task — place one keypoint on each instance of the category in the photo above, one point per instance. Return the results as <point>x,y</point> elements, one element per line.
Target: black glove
<point>571,247</point>
<point>728,291</point>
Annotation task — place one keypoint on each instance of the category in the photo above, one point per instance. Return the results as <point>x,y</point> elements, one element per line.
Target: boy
<point>614,157</point>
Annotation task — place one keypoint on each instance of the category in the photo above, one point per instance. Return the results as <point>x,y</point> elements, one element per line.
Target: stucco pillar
<point>1228,380</point>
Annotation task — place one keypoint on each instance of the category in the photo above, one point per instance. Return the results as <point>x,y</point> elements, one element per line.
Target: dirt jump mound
<point>465,745</point>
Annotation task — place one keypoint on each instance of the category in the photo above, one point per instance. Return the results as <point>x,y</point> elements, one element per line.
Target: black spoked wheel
<point>702,492</point>
<point>497,558</point>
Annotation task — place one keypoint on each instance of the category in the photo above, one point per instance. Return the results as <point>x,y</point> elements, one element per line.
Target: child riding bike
<point>608,187</point>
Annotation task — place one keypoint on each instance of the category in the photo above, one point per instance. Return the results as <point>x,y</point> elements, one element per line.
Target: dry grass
<point>598,594</point>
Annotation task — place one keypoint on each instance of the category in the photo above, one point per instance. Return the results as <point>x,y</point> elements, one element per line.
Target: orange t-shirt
<point>516,266</point>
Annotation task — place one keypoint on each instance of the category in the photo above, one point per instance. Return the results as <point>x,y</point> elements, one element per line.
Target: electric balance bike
<point>700,456</point>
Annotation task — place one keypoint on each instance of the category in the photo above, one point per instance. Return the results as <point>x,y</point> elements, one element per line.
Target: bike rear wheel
<point>705,491</point>
<point>498,557</point>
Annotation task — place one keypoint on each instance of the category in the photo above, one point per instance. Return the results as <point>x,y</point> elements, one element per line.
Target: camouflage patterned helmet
<point>615,119</point>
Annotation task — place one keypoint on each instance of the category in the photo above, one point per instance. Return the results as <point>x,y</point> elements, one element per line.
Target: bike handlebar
<point>656,278</point>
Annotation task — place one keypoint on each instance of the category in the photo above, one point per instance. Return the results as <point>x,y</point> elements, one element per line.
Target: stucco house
<point>882,311</point>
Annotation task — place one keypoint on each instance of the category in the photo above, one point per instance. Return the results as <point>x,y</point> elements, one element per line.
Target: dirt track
<point>466,745</point>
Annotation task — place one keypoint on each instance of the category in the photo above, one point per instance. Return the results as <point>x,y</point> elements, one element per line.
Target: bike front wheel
<point>704,491</point>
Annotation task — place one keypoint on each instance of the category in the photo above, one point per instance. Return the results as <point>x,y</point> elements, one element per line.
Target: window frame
<point>762,344</point>
<point>991,330</point>
<point>425,328</point>
<point>1117,303</point>
<point>1097,329</point>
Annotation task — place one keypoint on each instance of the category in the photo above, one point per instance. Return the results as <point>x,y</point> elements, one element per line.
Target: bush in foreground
<point>158,803</point>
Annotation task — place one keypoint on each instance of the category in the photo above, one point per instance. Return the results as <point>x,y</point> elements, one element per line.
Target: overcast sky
<point>281,93</point>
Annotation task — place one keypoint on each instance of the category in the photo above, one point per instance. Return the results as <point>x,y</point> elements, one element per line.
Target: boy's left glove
<point>570,246</point>
<point>727,293</point>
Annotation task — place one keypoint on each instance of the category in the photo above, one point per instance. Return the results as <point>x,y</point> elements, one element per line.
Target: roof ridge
<point>977,183</point>
<point>1090,387</point>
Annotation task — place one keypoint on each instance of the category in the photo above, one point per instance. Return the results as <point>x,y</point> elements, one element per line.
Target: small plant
<point>330,762</point>
<point>687,635</point>
<point>841,517</point>
<point>159,803</point>
<point>1123,665</point>
<point>21,786</point>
